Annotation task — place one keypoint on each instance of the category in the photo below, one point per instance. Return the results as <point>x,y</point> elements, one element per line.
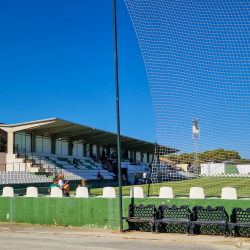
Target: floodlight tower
<point>196,136</point>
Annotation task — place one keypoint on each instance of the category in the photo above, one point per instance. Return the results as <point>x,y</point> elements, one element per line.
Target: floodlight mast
<point>196,136</point>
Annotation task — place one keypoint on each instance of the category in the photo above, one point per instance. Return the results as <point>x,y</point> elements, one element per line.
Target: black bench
<point>140,214</point>
<point>209,217</point>
<point>173,215</point>
<point>239,218</point>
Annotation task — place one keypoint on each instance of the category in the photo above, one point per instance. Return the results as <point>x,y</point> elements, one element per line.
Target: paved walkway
<point>33,231</point>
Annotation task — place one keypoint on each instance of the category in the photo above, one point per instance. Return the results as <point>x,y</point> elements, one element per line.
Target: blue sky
<point>57,60</point>
<point>197,57</point>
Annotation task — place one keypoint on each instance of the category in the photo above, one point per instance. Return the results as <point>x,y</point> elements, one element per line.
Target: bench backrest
<point>239,215</point>
<point>8,192</point>
<point>136,192</point>
<point>141,211</point>
<point>228,193</point>
<point>174,212</point>
<point>209,214</point>
<point>82,192</point>
<point>109,192</point>
<point>196,193</point>
<point>166,192</point>
<point>56,192</point>
<point>31,192</point>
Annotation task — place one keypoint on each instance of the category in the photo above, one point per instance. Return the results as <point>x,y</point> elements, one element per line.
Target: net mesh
<point>196,54</point>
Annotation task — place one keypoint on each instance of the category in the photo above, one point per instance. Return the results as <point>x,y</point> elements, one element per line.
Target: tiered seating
<point>78,174</point>
<point>87,168</point>
<point>22,177</point>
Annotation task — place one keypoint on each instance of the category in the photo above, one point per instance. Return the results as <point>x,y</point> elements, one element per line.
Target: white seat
<point>8,192</point>
<point>228,193</point>
<point>166,192</point>
<point>109,192</point>
<point>82,192</point>
<point>56,192</point>
<point>196,193</point>
<point>137,192</point>
<point>31,192</point>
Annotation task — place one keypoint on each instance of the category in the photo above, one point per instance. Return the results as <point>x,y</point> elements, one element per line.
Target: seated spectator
<point>99,176</point>
<point>65,186</point>
<point>55,184</point>
<point>107,166</point>
<point>84,184</point>
<point>75,162</point>
<point>95,159</point>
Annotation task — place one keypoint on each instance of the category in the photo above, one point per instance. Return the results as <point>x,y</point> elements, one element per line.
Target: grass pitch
<point>212,186</point>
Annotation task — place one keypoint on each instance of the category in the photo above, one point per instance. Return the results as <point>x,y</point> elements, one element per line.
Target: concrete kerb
<point>132,235</point>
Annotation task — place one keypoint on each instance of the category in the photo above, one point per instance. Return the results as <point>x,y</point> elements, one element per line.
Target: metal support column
<point>117,116</point>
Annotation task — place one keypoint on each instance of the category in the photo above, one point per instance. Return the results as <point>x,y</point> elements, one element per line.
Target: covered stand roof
<point>61,129</point>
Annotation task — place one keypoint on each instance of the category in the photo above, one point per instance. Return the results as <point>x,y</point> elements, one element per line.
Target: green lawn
<point>212,186</point>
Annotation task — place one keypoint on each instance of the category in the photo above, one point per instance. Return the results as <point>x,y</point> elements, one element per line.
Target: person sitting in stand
<point>107,166</point>
<point>66,187</point>
<point>99,176</point>
<point>84,184</point>
<point>75,162</point>
<point>55,184</point>
<point>95,159</point>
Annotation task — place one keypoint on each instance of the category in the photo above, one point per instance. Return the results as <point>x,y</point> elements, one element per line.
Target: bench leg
<point>152,226</point>
<point>187,226</point>
<point>130,226</point>
<point>192,228</point>
<point>231,227</point>
<point>224,230</point>
<point>157,226</point>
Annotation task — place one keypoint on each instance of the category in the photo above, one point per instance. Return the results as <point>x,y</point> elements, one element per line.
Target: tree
<point>3,143</point>
<point>219,154</point>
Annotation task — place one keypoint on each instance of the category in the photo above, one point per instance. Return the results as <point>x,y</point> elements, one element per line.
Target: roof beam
<point>51,130</point>
<point>73,133</point>
<point>89,136</point>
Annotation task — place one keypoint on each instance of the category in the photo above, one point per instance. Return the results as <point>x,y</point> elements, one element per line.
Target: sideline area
<point>213,241</point>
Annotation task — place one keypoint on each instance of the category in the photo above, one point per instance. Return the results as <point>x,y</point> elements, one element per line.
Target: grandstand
<point>48,147</point>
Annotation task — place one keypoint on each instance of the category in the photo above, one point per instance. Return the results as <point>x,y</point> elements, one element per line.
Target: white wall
<point>150,158</point>
<point>39,144</point>
<point>213,168</point>
<point>243,169</point>
<point>78,149</point>
<point>62,147</point>
<point>138,156</point>
<point>88,150</point>
<point>144,159</point>
<point>46,145</point>
<point>65,148</point>
<point>94,150</point>
<point>43,144</point>
<point>28,143</point>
